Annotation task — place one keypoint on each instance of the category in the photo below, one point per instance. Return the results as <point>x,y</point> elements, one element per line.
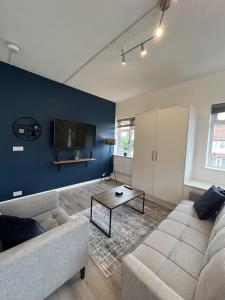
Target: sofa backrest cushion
<point>215,245</point>
<point>29,206</point>
<point>219,225</point>
<point>212,278</point>
<point>211,282</point>
<point>220,213</point>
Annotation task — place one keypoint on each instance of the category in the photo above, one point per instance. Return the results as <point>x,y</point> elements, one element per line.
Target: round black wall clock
<point>27,129</point>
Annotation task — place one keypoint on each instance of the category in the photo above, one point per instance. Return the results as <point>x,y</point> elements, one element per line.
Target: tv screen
<point>90,136</point>
<point>70,134</point>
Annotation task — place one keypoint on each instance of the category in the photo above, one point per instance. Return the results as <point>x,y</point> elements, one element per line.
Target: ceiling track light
<point>123,59</point>
<point>143,50</point>
<point>164,6</point>
<point>159,32</point>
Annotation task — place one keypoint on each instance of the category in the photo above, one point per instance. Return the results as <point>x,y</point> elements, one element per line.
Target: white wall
<point>200,93</point>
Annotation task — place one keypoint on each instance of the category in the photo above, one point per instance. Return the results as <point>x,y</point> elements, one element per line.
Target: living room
<point>112,180</point>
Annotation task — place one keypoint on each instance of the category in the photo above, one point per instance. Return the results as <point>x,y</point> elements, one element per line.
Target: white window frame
<point>213,122</point>
<point>130,126</point>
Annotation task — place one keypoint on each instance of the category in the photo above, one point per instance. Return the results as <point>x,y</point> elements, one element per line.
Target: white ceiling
<point>59,37</point>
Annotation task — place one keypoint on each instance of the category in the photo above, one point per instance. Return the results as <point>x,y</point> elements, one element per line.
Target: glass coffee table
<point>111,201</point>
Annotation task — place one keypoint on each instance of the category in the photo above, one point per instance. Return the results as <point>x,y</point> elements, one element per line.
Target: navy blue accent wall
<point>25,94</point>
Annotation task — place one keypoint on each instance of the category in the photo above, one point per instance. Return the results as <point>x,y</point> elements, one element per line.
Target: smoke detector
<point>13,49</point>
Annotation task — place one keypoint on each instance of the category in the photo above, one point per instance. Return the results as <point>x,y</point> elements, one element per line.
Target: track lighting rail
<point>164,5</point>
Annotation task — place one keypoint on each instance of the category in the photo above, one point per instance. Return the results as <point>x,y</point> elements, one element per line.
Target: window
<point>125,137</point>
<point>216,146</point>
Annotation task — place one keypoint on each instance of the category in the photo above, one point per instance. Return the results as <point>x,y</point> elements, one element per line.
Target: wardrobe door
<point>172,126</point>
<point>144,152</point>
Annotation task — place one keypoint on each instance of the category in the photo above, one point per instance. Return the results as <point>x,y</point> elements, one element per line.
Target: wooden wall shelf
<point>72,161</point>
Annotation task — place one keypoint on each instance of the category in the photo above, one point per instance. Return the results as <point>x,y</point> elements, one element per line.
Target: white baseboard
<point>124,178</point>
<point>67,187</point>
<point>64,188</point>
<point>160,201</point>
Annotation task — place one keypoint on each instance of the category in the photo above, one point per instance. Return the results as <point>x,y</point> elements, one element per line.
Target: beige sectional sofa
<point>183,259</point>
<point>36,268</point>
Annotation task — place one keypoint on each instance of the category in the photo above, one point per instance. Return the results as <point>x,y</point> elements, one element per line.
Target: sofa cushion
<point>49,224</point>
<point>217,227</point>
<point>187,258</point>
<point>180,217</point>
<point>161,242</point>
<point>184,255</point>
<point>173,260</point>
<point>215,245</point>
<point>203,226</point>
<point>220,213</point>
<point>187,207</point>
<point>168,271</point>
<point>209,203</point>
<point>15,230</point>
<point>172,227</point>
<point>150,257</point>
<point>53,218</point>
<point>178,280</point>
<point>211,281</point>
<point>195,239</point>
<point>185,234</point>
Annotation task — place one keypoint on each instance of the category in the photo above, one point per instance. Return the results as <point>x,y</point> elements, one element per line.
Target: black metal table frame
<point>108,234</point>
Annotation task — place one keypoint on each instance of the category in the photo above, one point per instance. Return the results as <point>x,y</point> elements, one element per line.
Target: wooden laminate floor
<point>94,287</point>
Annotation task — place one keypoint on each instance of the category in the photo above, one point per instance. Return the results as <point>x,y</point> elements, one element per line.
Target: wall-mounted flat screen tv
<point>70,134</point>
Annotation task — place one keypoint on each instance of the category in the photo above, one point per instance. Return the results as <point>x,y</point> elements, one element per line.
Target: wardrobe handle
<point>153,152</point>
<point>156,155</point>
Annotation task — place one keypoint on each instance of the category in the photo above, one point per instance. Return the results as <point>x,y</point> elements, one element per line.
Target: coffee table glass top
<point>111,201</point>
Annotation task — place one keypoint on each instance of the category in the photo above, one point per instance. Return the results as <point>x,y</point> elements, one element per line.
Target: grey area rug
<point>129,228</point>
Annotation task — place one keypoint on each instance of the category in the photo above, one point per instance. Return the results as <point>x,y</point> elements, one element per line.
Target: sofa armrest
<point>29,206</point>
<point>36,268</point>
<point>140,283</point>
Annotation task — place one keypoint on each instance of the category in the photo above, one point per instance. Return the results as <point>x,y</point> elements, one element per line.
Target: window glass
<point>125,137</point>
<point>216,146</point>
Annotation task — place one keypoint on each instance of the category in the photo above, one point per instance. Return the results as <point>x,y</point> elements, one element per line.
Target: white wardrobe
<point>163,151</point>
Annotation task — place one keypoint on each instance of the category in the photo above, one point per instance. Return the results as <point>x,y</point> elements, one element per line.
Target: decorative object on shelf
<point>164,5</point>
<point>77,155</point>
<point>111,142</point>
<point>27,129</point>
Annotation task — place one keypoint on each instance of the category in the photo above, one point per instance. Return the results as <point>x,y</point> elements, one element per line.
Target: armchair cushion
<point>15,230</point>
<point>53,218</point>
